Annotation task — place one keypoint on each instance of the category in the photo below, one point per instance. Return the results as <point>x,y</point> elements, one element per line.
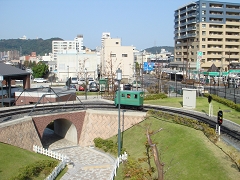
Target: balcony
<point>176,25</point>
<point>231,43</point>
<point>183,11</point>
<point>191,35</point>
<point>191,28</point>
<point>192,8</point>
<point>191,21</point>
<point>183,17</point>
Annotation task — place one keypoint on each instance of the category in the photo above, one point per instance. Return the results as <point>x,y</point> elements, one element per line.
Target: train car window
<point>135,96</point>
<point>128,96</point>
<point>123,95</point>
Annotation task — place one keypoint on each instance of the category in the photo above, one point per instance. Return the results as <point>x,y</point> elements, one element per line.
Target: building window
<point>203,46</point>
<point>203,25</point>
<point>203,19</point>
<point>124,55</point>
<point>203,53</point>
<point>203,5</point>
<point>203,33</point>
<point>203,39</point>
<point>113,55</point>
<point>203,12</point>
<point>117,42</point>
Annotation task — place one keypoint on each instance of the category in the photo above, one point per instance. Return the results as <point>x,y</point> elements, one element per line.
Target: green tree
<point>40,70</point>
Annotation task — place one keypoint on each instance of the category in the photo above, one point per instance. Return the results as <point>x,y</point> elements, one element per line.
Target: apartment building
<point>66,47</point>
<point>114,56</point>
<point>207,33</point>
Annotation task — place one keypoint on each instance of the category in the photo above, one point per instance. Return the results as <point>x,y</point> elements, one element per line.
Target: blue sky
<point>141,23</point>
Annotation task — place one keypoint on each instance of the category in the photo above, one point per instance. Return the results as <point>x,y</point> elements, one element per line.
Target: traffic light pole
<point>219,122</point>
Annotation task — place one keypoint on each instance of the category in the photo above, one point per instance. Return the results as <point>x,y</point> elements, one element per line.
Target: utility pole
<point>142,70</point>
<point>187,73</point>
<point>228,70</point>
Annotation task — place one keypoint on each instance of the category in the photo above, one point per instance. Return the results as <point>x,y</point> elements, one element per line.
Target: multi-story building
<point>210,27</point>
<point>114,56</point>
<point>65,47</point>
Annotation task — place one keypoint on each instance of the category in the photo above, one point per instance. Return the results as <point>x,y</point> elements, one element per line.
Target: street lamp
<point>1,80</point>
<point>119,78</point>
<point>68,71</point>
<point>85,70</point>
<point>68,83</point>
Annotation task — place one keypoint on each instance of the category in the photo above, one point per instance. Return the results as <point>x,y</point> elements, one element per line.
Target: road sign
<point>199,58</point>
<point>148,66</point>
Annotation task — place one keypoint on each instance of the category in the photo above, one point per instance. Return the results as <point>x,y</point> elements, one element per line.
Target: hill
<point>40,46</point>
<point>157,49</point>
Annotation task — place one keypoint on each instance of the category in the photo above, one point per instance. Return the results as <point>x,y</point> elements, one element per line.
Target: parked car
<point>81,88</point>
<point>72,86</point>
<point>81,81</point>
<point>39,80</point>
<point>93,87</point>
<point>136,84</point>
<point>90,80</point>
<point>74,80</point>
<point>127,87</point>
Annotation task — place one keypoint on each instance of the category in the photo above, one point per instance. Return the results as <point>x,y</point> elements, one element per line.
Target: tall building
<point>210,27</point>
<point>67,47</point>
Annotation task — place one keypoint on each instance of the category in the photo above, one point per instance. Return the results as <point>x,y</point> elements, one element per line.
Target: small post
<point>1,80</point>
<point>210,105</point>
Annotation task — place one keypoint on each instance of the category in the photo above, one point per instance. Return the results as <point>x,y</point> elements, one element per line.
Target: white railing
<point>120,159</point>
<point>64,160</point>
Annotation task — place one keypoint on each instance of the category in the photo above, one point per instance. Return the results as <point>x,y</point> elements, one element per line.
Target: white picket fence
<point>120,159</point>
<point>64,160</point>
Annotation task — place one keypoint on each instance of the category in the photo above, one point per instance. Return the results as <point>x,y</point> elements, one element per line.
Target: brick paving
<point>87,163</point>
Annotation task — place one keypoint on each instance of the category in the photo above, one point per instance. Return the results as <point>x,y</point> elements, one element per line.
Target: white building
<point>78,65</point>
<point>67,47</point>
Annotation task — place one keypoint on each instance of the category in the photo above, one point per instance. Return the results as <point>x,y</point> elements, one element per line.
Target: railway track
<point>230,130</point>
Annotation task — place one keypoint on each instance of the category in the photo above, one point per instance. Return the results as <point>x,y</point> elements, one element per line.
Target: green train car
<point>129,99</point>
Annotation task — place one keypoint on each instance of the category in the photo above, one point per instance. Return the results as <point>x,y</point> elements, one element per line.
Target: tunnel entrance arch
<point>70,122</point>
<point>66,129</point>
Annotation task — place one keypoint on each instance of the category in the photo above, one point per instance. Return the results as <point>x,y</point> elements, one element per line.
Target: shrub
<point>106,145</point>
<point>155,96</point>
<point>224,101</point>
<point>33,170</point>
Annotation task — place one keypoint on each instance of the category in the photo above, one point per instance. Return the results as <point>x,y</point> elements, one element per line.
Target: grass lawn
<point>186,152</point>
<point>202,105</point>
<point>12,158</point>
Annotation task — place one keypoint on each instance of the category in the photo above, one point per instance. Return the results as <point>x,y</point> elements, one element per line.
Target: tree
<point>40,70</point>
<point>26,63</point>
<point>109,72</point>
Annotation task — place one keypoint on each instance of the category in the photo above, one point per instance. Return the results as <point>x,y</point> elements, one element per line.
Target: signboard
<point>148,66</point>
<point>199,58</point>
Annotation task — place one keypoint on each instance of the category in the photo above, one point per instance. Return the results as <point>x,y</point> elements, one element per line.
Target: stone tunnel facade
<point>28,131</point>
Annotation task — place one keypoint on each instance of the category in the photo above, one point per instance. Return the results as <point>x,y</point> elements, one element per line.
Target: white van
<point>74,80</point>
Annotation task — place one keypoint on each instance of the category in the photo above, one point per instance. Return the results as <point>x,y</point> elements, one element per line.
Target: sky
<point>139,23</point>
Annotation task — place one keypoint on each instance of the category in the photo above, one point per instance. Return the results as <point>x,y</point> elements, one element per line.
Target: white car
<point>39,80</point>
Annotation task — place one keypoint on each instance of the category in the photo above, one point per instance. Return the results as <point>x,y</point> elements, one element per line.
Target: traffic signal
<point>220,117</point>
